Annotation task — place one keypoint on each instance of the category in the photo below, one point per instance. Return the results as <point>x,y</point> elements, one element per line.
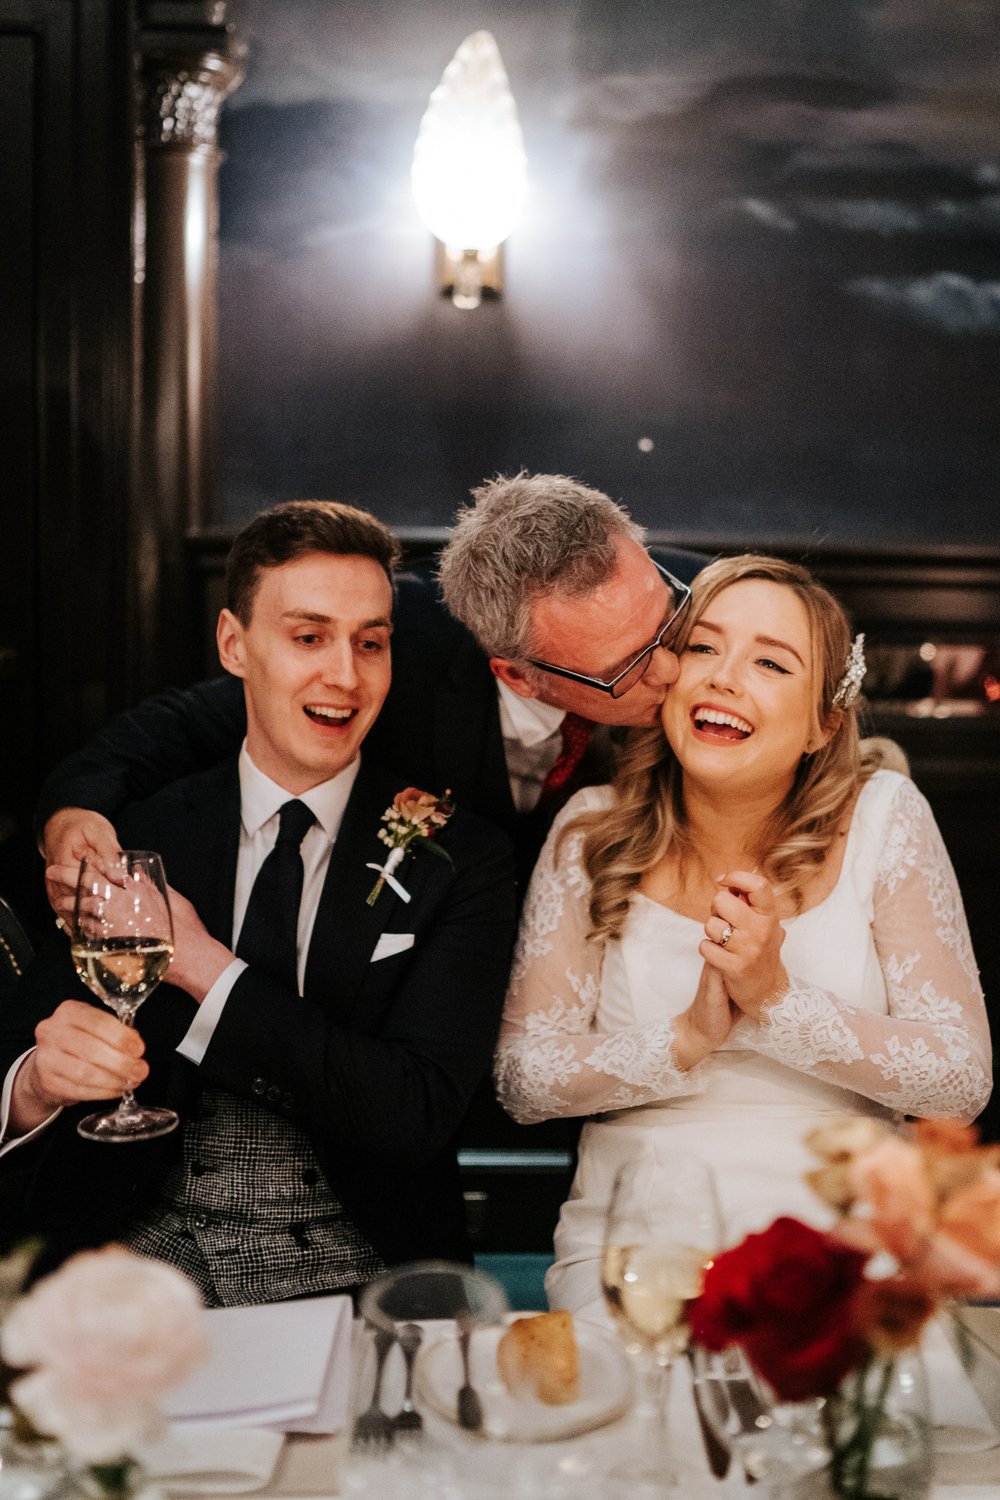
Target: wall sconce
<point>469,170</point>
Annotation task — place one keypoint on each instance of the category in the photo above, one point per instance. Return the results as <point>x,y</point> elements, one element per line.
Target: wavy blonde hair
<point>647,818</point>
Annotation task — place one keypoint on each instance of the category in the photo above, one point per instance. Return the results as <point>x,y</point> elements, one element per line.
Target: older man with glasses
<point>557,630</point>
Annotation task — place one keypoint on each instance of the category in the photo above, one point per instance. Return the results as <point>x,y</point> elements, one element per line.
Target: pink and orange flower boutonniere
<point>412,821</point>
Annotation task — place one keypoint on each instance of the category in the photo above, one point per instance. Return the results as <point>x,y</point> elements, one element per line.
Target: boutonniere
<point>413,818</point>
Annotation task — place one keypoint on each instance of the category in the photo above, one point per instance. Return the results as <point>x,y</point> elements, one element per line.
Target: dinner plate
<point>605,1387</point>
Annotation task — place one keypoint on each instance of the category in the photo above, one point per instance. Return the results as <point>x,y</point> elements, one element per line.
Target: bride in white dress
<point>735,941</point>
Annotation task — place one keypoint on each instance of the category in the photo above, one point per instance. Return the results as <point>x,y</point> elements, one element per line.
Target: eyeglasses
<point>626,679</point>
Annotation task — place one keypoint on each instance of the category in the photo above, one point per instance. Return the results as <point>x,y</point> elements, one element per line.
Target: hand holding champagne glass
<point>122,943</point>
<point>661,1230</point>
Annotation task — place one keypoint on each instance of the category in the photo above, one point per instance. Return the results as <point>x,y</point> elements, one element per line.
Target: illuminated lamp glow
<point>469,172</point>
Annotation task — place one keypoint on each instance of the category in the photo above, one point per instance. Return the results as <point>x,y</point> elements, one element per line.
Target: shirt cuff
<point>194,1043</point>
<point>5,1098</point>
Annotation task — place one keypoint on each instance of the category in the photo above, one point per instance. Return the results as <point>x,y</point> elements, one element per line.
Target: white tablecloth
<point>450,1466</point>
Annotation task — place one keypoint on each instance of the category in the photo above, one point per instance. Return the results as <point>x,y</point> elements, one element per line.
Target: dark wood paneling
<point>18,751</point>
<point>66,173</point>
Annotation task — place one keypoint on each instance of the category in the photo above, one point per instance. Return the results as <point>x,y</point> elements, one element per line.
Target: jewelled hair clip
<point>850,684</point>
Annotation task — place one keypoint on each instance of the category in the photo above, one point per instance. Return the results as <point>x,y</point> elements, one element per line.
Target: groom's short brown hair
<point>295,529</point>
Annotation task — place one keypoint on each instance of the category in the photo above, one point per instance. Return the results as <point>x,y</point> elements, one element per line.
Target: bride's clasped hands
<point>743,938</point>
<point>738,978</point>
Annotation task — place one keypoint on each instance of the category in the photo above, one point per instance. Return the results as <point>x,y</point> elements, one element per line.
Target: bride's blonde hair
<point>646,817</point>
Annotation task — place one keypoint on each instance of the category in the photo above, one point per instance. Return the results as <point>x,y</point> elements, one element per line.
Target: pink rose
<point>951,1154</point>
<point>892,1181</point>
<point>972,1217</point>
<point>949,1269</point>
<point>422,808</point>
<point>102,1338</point>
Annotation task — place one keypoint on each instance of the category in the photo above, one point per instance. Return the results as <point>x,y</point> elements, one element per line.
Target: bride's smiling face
<point>743,711</point>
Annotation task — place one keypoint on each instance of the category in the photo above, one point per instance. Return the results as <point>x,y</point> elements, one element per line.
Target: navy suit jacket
<point>377,1062</point>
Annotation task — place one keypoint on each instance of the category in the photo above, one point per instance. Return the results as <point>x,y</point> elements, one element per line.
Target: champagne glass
<point>122,943</point>
<point>661,1230</point>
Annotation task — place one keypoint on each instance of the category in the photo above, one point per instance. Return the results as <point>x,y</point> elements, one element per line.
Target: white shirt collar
<point>527,719</point>
<point>261,798</point>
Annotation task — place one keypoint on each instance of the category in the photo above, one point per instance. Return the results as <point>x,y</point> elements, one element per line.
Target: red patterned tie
<point>576,732</point>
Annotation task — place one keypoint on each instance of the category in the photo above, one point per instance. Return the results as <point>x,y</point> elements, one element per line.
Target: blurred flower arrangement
<point>89,1352</point>
<point>827,1314</point>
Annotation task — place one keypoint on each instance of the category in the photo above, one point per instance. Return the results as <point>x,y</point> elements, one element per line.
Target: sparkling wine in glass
<point>661,1231</point>
<point>122,944</point>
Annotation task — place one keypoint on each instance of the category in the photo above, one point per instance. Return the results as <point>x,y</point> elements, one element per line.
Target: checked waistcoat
<point>248,1214</point>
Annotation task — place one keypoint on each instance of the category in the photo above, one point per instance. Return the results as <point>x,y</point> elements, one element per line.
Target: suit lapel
<point>347,928</point>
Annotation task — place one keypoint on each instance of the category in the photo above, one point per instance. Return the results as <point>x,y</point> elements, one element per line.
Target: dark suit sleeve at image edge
<point>147,747</point>
<point>401,1094</point>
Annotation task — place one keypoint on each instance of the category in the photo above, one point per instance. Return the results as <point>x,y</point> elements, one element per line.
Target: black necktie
<point>268,936</point>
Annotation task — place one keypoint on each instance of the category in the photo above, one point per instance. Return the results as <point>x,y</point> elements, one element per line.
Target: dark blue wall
<point>764,236</point>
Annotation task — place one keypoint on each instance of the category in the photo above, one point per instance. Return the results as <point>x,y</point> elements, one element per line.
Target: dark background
<point>762,235</point>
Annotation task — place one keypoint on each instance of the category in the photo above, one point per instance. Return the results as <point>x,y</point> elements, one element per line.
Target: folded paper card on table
<point>284,1365</point>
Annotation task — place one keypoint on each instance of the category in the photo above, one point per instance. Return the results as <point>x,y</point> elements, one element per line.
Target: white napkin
<point>961,1422</point>
<point>277,1364</point>
<point>212,1460</point>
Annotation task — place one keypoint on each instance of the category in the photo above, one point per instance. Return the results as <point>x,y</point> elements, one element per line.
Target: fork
<point>373,1429</point>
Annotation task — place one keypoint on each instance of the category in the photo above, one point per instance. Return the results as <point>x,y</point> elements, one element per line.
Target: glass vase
<point>875,1436</point>
<point>31,1467</point>
<point>123,1479</point>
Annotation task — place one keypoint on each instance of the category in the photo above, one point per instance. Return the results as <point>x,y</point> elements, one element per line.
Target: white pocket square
<point>390,943</point>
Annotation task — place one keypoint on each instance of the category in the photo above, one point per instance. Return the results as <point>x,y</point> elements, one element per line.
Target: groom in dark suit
<point>321,1074</point>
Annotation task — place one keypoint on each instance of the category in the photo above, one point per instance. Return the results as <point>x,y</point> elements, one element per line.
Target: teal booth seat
<point>522,1276</point>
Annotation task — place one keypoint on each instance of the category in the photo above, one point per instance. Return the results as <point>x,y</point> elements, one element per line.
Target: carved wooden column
<point>189,63</point>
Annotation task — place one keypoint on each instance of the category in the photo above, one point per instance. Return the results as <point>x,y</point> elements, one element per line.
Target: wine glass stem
<point>126,1104</point>
<point>656,1372</point>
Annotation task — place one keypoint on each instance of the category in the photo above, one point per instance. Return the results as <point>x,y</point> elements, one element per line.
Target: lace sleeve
<point>550,1060</point>
<point>930,1055</point>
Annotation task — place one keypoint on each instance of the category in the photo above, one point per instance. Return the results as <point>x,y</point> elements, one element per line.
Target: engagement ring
<point>727,933</point>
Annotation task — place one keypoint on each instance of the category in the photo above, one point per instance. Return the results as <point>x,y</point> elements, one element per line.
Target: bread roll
<point>540,1354</point>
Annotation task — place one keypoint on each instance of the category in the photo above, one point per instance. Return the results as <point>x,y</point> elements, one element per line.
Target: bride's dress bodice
<point>653,971</point>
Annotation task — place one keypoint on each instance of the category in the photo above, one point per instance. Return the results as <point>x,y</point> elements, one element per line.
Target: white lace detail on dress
<point>548,1060</point>
<point>529,1073</point>
<point>642,1059</point>
<point>913,842</point>
<point>920,1071</point>
<point>805,1027</point>
<point>899,847</point>
<point>546,903</point>
<point>532,1071</point>
<point>928,1080</point>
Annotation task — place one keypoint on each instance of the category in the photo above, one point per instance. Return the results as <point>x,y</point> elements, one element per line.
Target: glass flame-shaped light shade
<point>468,163</point>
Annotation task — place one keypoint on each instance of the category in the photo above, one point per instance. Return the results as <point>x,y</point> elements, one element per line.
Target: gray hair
<point>523,537</point>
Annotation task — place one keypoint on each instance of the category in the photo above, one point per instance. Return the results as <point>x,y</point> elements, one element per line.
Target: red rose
<point>786,1296</point>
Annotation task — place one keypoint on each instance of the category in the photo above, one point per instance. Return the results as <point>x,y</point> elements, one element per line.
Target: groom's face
<point>315,662</point>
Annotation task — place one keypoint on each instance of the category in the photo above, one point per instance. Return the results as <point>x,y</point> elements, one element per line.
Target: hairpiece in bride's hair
<point>849,685</point>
